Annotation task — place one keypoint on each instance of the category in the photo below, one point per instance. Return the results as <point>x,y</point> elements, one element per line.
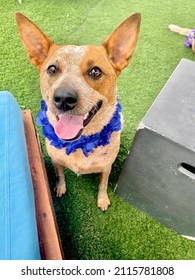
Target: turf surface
<point>122,232</point>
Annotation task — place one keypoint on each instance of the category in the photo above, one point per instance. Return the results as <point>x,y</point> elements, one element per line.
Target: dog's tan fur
<point>182,31</point>
<point>74,61</point>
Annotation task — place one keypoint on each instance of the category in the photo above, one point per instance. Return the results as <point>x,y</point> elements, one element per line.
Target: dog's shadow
<point>80,196</point>
<point>79,201</point>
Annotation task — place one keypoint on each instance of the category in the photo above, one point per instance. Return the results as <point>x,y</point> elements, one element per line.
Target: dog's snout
<point>65,99</point>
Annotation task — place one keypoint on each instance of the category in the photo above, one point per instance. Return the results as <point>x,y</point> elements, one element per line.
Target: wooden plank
<point>49,240</point>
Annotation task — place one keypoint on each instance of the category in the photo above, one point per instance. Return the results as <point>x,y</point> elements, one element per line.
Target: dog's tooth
<point>86,116</point>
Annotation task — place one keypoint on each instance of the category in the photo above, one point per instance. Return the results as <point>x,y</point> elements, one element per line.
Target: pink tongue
<point>68,126</point>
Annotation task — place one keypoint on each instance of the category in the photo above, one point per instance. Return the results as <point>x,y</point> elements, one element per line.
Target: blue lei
<point>86,143</point>
<point>188,41</point>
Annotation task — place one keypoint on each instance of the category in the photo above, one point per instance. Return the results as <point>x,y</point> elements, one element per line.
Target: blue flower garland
<point>86,143</point>
<point>188,41</point>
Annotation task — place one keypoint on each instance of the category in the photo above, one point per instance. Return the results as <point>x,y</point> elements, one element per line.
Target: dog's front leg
<point>193,45</point>
<point>60,188</point>
<point>103,201</point>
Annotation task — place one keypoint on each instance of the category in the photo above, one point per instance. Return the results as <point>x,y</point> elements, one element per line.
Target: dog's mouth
<point>70,127</point>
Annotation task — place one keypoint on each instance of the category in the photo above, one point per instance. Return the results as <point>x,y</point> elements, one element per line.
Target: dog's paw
<point>103,202</point>
<point>172,27</point>
<point>60,190</point>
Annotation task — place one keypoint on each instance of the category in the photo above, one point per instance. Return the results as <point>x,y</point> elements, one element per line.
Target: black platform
<point>159,174</point>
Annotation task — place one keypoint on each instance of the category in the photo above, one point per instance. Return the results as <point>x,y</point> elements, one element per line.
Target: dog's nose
<point>65,99</point>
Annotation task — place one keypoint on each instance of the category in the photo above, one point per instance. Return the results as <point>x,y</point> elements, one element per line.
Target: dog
<point>81,114</point>
<point>189,33</point>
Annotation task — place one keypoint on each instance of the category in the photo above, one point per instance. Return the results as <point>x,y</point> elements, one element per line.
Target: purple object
<point>188,41</point>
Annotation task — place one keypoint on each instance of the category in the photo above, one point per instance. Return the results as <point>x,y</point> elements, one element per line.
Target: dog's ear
<point>121,43</point>
<point>36,43</point>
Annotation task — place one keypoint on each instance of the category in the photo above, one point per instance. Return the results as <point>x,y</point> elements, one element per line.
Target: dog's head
<point>78,83</point>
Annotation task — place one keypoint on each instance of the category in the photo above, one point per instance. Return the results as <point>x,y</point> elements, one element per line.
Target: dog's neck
<point>86,143</point>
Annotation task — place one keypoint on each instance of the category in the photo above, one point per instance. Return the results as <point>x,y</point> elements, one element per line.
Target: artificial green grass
<point>123,232</point>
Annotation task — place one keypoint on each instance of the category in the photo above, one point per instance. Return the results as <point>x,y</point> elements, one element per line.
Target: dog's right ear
<point>36,43</point>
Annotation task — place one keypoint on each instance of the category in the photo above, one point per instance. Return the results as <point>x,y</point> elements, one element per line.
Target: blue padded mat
<point>18,229</point>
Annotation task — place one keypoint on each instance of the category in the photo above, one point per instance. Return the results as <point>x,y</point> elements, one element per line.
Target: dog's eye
<point>51,70</point>
<point>95,73</point>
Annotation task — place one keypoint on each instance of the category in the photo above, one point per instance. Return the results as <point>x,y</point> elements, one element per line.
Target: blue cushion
<point>18,229</point>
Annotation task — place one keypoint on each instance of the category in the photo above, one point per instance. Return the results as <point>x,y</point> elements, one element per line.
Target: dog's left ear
<point>121,43</point>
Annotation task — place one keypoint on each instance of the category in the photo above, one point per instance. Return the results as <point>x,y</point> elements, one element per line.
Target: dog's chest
<point>98,161</point>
